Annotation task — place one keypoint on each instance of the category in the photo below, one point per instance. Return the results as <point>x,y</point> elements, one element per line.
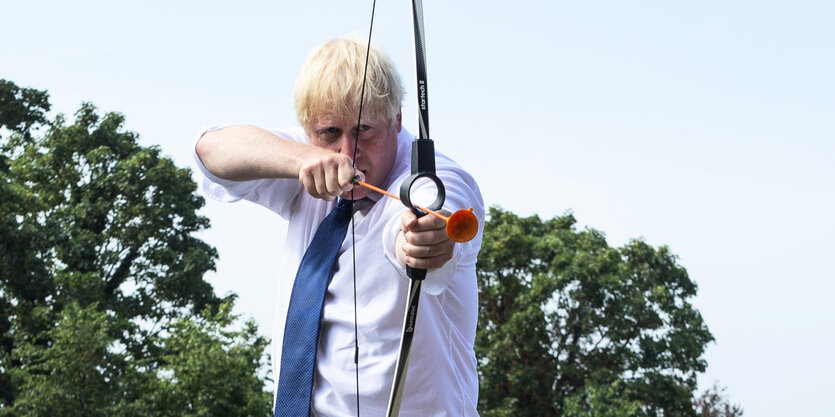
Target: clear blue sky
<point>706,126</point>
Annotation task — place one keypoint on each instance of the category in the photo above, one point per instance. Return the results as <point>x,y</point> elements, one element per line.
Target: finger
<point>340,174</point>
<point>407,220</point>
<point>346,176</point>
<point>428,251</point>
<point>314,182</point>
<point>308,179</point>
<point>426,223</point>
<point>332,184</point>
<point>426,237</point>
<point>428,263</point>
<point>321,185</point>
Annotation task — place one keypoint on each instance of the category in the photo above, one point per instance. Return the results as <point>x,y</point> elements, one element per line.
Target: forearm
<point>241,153</point>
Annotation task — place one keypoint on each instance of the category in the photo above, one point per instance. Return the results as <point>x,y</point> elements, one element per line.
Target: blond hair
<point>330,82</point>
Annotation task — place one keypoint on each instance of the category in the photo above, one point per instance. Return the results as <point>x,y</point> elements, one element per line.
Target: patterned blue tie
<point>301,330</point>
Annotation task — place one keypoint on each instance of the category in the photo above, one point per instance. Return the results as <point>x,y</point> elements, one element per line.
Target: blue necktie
<point>301,330</point>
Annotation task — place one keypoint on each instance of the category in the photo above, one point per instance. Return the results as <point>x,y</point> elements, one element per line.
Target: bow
<point>422,166</point>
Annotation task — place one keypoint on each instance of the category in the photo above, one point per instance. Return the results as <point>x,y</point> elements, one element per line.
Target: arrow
<point>461,226</point>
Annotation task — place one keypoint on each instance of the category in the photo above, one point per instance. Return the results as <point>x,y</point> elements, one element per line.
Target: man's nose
<point>347,143</point>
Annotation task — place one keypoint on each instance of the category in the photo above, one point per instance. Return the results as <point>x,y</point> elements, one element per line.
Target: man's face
<point>376,151</point>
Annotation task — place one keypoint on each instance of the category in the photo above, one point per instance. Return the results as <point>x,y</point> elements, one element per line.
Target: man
<point>299,173</point>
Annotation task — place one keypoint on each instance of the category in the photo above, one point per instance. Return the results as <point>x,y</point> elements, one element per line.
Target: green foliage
<point>21,108</point>
<point>569,326</point>
<point>713,402</point>
<point>205,369</point>
<point>70,376</point>
<point>602,399</point>
<point>212,371</point>
<point>101,277</point>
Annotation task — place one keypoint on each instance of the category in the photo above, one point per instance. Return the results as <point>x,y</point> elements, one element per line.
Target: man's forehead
<point>334,119</point>
<point>327,118</point>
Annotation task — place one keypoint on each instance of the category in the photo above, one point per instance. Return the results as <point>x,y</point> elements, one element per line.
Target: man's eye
<point>328,132</point>
<point>365,131</point>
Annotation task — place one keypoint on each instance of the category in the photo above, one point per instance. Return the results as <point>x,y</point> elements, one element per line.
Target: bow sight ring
<point>423,166</point>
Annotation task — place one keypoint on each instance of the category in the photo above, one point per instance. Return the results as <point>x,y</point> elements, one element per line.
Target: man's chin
<point>357,193</point>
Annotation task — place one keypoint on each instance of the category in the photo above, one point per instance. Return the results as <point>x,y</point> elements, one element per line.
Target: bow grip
<point>423,166</point>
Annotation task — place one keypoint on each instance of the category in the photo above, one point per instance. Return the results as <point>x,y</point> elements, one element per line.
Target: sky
<point>705,126</point>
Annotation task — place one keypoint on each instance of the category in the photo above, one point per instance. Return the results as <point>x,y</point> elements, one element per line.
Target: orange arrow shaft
<point>382,191</point>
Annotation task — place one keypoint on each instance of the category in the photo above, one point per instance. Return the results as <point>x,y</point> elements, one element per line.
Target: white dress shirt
<point>441,379</point>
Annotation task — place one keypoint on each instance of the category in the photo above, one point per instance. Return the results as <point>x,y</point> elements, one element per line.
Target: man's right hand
<point>326,174</point>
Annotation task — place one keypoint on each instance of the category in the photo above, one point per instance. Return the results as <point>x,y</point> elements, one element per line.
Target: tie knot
<point>343,210</point>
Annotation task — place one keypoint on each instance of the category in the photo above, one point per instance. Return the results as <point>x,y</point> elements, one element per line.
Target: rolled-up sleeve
<point>276,194</point>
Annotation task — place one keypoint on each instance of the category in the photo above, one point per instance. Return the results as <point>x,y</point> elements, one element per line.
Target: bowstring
<point>353,231</point>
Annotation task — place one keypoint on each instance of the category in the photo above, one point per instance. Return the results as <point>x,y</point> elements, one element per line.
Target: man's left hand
<point>422,242</point>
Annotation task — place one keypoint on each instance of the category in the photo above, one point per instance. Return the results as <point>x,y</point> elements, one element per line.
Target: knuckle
<point>307,170</point>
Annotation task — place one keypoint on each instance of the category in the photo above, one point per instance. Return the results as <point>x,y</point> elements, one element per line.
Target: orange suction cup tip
<point>462,226</point>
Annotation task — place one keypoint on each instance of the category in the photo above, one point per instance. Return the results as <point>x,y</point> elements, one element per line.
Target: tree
<point>22,108</point>
<point>212,371</point>
<point>600,398</point>
<point>204,369</point>
<point>101,274</point>
<point>70,375</point>
<point>713,402</point>
<point>569,326</point>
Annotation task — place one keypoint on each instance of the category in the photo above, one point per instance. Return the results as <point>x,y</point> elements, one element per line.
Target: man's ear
<point>399,121</point>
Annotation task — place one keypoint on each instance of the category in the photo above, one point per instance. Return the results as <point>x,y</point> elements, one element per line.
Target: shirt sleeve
<point>276,194</point>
